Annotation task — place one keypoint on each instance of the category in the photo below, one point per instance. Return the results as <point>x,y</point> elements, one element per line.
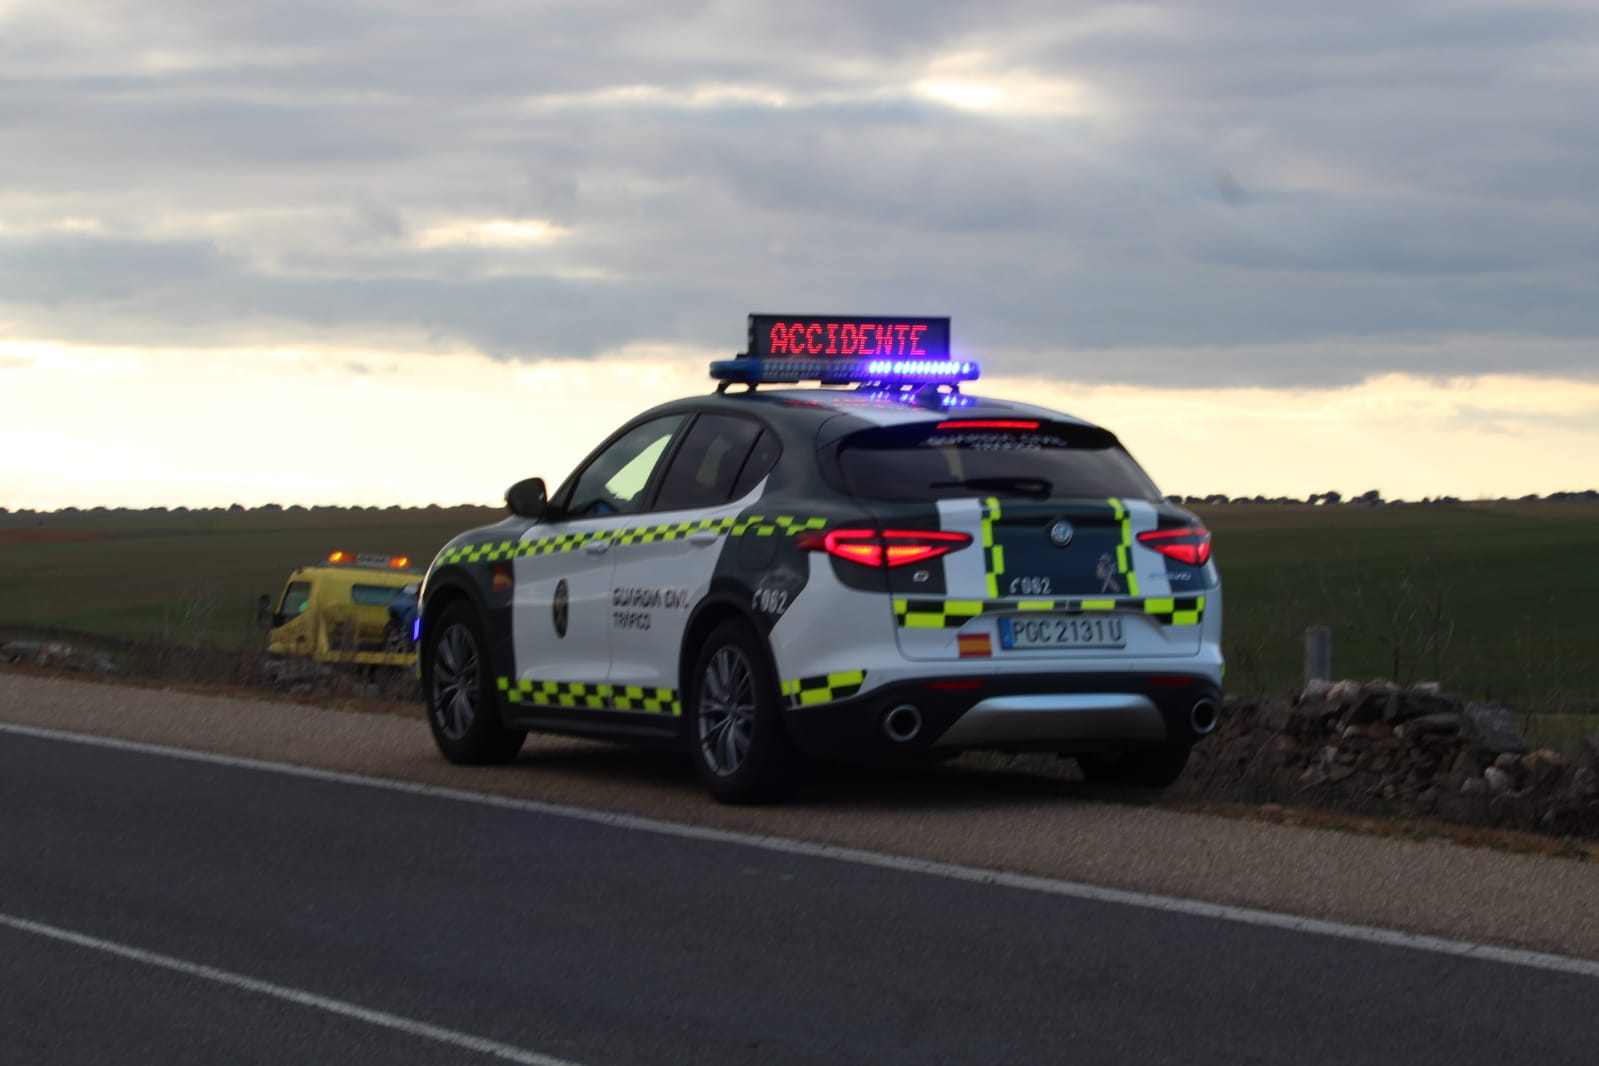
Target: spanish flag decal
<point>975,645</point>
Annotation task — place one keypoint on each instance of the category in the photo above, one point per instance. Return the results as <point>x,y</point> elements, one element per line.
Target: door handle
<point>597,547</point>
<point>704,536</point>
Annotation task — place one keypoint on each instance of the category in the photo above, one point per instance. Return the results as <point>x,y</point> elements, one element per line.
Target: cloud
<point>1200,194</point>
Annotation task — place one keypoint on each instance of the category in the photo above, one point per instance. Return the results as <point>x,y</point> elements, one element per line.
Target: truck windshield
<point>295,598</point>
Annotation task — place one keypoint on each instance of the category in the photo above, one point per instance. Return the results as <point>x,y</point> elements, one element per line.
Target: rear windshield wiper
<point>1022,486</point>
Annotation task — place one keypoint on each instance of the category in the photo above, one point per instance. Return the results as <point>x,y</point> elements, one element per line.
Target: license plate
<point>1061,631</point>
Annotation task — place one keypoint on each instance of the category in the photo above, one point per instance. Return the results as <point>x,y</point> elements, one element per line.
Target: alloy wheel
<point>726,710</point>
<point>455,681</point>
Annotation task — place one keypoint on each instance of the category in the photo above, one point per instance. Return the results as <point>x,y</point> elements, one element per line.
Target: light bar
<point>903,398</point>
<point>393,562</point>
<point>845,371</point>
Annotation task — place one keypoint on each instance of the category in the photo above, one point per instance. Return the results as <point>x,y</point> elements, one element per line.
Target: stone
<point>1316,718</point>
<point>1368,708</point>
<point>1340,773</point>
<point>1493,729</point>
<point>1343,692</point>
<point>1543,768</point>
<point>1498,780</point>
<point>1315,689</point>
<point>1430,723</point>
<point>1420,705</point>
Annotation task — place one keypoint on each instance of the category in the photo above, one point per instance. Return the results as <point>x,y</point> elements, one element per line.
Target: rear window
<point>989,457</point>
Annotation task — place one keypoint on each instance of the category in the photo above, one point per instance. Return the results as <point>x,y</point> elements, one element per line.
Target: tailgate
<point>1049,581</point>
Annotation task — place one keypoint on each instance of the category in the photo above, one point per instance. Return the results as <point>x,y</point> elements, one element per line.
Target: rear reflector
<point>1190,545</point>
<point>891,547</point>
<point>955,686</point>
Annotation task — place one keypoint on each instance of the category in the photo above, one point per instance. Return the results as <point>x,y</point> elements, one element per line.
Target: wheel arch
<point>446,588</point>
<point>712,612</point>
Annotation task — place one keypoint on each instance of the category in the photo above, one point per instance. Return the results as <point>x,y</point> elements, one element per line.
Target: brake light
<point>891,547</point>
<point>1190,545</point>
<point>988,423</point>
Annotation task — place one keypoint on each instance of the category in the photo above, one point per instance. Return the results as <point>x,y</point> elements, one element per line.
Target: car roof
<point>872,407</point>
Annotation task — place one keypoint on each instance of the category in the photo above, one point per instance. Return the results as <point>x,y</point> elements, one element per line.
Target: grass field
<point>195,576</point>
<point>1497,601</point>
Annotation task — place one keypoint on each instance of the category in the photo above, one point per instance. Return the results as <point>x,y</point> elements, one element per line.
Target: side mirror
<point>528,498</point>
<point>263,611</point>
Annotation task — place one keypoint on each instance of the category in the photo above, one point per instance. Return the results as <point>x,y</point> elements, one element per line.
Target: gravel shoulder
<point>1017,822</point>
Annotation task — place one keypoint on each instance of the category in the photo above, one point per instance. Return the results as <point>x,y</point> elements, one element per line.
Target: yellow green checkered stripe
<point>748,526</point>
<point>583,695</point>
<point>952,614</point>
<point>809,691</point>
<point>993,551</point>
<point>1124,548</point>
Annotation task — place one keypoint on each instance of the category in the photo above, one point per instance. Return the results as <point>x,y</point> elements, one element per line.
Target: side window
<point>761,459</point>
<point>373,595</point>
<point>706,466</point>
<point>295,599</point>
<point>614,481</point>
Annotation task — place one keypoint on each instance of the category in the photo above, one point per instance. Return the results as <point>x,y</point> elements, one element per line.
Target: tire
<point>393,639</point>
<point>740,746</point>
<point>1144,768</point>
<point>461,701</point>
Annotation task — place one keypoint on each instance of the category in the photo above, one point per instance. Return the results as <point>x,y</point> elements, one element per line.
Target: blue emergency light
<point>846,350</point>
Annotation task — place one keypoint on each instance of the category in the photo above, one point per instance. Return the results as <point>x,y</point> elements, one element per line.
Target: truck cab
<point>338,611</point>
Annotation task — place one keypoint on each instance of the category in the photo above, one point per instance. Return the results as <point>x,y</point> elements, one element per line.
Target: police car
<point>839,554</point>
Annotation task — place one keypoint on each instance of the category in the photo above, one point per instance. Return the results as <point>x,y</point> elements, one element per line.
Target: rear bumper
<point>1068,713</point>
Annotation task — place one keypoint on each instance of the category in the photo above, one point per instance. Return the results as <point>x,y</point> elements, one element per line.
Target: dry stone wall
<point>1380,748</point>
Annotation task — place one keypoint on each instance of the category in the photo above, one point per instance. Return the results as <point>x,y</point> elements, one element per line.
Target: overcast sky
<point>249,248</point>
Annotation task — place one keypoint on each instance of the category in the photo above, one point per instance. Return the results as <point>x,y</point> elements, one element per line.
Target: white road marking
<point>382,1019</point>
<point>904,864</point>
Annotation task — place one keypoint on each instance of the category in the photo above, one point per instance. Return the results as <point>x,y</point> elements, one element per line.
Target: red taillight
<point>891,547</point>
<point>1191,545</point>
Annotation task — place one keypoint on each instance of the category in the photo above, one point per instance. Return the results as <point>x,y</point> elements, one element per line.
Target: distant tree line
<point>236,508</point>
<point>1369,498</point>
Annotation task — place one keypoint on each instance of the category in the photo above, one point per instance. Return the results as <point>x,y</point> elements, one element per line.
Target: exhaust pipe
<point>1203,717</point>
<point>902,723</point>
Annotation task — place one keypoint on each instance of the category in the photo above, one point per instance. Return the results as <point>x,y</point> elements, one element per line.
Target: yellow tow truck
<point>338,611</point>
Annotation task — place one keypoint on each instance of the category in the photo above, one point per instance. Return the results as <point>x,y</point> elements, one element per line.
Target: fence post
<point>1318,654</point>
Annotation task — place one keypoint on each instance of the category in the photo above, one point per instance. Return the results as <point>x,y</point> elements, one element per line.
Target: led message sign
<point>848,337</point>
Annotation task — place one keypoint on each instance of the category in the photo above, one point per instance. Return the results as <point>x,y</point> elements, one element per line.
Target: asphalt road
<point>166,910</point>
